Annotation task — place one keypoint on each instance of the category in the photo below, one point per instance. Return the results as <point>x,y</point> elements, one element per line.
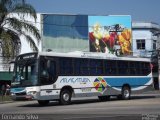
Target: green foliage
<point>12,27</point>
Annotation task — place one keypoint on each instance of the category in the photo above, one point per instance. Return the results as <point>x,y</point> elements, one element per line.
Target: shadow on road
<point>84,101</point>
<point>142,97</point>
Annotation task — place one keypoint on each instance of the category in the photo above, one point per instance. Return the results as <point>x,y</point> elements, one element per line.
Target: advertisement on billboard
<point>110,34</point>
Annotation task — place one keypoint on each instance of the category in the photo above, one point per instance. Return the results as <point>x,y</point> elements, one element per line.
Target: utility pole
<point>158,55</point>
<point>155,59</point>
<point>158,52</point>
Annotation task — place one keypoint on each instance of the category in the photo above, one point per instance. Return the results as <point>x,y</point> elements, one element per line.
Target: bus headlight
<point>32,92</point>
<point>12,94</point>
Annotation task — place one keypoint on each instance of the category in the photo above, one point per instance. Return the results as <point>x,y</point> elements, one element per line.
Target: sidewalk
<point>5,99</point>
<point>4,102</point>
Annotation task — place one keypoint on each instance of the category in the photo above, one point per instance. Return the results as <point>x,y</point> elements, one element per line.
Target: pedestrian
<point>7,91</point>
<point>3,91</point>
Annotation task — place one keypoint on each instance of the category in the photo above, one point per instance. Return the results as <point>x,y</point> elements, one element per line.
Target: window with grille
<point>140,44</point>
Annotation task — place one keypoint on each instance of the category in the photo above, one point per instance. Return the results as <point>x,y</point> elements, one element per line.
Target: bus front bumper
<point>21,97</point>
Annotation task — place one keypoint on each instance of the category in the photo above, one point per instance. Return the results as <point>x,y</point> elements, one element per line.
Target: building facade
<point>144,38</point>
<point>145,44</point>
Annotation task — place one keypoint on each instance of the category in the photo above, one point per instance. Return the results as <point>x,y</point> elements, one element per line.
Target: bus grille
<point>22,93</point>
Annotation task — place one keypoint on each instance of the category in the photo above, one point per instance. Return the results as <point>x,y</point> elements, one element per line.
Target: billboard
<point>110,34</point>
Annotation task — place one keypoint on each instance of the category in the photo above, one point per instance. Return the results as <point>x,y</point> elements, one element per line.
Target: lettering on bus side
<point>75,80</point>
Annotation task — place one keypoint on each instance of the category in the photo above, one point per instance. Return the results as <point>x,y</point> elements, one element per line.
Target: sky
<point>140,10</point>
<point>111,20</point>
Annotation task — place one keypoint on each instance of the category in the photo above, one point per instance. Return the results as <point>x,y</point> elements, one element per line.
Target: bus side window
<point>110,67</point>
<point>47,71</point>
<point>145,68</point>
<point>96,67</point>
<point>43,71</point>
<point>66,67</point>
<point>51,69</point>
<point>84,67</point>
<point>77,66</point>
<point>138,68</point>
<point>132,68</point>
<point>122,67</point>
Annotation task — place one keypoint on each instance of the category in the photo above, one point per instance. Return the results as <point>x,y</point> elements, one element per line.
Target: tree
<point>13,25</point>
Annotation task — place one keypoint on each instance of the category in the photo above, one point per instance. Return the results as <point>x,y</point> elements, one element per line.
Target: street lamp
<point>158,54</point>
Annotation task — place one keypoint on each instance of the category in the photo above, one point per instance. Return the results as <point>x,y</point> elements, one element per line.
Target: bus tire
<point>65,97</point>
<point>43,102</point>
<point>126,93</point>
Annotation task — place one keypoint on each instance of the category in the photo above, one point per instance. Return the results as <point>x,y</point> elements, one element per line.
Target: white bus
<point>48,76</point>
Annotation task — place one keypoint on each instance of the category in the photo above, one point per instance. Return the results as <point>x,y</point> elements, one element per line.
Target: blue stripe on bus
<point>134,82</point>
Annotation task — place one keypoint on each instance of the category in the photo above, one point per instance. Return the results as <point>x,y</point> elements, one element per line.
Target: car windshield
<point>26,73</point>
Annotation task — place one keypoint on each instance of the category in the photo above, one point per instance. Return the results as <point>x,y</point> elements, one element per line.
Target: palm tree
<point>13,25</point>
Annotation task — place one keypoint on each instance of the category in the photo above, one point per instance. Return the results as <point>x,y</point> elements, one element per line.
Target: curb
<point>156,95</point>
<point>145,95</point>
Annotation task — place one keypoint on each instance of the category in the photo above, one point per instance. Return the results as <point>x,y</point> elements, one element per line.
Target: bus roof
<point>94,55</point>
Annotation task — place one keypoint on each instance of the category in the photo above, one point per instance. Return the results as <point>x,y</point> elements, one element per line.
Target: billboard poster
<point>110,34</point>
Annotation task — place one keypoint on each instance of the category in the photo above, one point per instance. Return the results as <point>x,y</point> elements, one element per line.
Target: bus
<point>48,76</point>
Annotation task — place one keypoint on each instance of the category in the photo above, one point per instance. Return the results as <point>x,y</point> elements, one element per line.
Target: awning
<point>5,76</point>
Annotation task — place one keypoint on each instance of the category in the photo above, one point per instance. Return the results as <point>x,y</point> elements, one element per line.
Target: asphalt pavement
<point>141,107</point>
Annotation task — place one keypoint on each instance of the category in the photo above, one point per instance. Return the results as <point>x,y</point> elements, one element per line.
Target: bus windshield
<point>25,73</point>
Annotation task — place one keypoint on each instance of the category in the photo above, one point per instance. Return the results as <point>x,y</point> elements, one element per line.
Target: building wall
<point>65,33</point>
<point>145,31</point>
<point>142,34</point>
<point>148,32</point>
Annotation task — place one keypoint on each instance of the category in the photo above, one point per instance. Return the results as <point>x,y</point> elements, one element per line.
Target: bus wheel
<point>65,97</point>
<point>43,102</point>
<point>126,93</point>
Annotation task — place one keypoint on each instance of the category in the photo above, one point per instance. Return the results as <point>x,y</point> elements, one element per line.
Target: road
<point>136,108</point>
